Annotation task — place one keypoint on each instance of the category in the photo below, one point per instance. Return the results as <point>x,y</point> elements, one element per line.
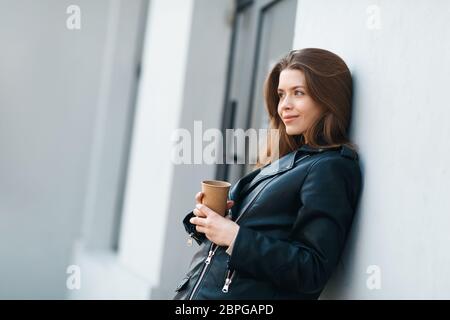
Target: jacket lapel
<point>281,165</point>
<point>236,189</point>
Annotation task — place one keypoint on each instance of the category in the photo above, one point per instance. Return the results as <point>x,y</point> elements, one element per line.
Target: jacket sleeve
<point>305,261</point>
<point>230,247</point>
<point>190,229</point>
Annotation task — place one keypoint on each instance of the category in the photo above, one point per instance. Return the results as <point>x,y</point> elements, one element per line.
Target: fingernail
<point>198,206</point>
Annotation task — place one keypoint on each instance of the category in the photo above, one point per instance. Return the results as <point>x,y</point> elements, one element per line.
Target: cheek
<point>302,108</point>
<point>308,109</point>
<point>308,119</point>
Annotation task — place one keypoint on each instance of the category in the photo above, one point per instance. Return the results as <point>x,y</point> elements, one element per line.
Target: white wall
<point>129,272</point>
<point>65,102</point>
<point>401,125</point>
<point>48,93</point>
<point>95,252</point>
<point>159,107</point>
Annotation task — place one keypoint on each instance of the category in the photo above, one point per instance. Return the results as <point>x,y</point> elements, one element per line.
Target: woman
<point>289,218</point>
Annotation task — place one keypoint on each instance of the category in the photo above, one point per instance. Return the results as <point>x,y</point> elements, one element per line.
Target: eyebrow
<point>294,87</point>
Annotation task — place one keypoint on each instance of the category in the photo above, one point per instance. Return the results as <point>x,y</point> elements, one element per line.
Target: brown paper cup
<point>215,195</point>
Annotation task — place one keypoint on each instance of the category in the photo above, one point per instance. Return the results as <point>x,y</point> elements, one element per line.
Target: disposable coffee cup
<point>215,195</point>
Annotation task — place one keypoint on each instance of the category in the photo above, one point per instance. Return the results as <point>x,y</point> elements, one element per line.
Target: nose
<point>285,104</point>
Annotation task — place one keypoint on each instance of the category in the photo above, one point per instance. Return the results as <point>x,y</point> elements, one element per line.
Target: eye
<point>280,94</point>
<point>298,92</point>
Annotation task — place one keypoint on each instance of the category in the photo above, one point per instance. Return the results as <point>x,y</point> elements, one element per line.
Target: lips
<point>289,117</point>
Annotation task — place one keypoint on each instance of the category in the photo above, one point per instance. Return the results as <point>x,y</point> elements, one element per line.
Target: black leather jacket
<point>293,228</point>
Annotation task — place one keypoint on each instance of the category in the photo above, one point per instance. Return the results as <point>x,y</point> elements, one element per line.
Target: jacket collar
<point>283,164</point>
<point>287,161</point>
<point>344,151</point>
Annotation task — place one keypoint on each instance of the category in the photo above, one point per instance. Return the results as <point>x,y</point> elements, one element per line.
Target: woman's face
<point>296,108</point>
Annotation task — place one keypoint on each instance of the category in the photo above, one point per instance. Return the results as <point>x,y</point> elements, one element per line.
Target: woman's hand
<point>218,229</point>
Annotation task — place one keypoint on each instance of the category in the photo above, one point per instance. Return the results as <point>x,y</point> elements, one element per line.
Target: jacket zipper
<point>211,254</point>
<point>230,276</point>
<point>205,267</point>
<point>230,273</point>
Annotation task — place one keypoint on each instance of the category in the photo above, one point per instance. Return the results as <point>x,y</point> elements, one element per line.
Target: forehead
<point>289,78</point>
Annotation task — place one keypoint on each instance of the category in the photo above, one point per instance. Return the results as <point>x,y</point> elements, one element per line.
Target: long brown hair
<point>329,83</point>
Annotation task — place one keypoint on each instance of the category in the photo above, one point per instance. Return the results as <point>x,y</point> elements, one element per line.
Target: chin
<point>293,131</point>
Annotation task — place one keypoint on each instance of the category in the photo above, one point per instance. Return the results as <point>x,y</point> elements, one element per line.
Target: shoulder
<point>331,173</point>
<point>336,163</point>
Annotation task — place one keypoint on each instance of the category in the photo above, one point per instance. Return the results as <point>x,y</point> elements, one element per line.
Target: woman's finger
<point>200,229</point>
<point>197,221</point>
<point>230,203</point>
<point>198,197</point>
<point>198,213</point>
